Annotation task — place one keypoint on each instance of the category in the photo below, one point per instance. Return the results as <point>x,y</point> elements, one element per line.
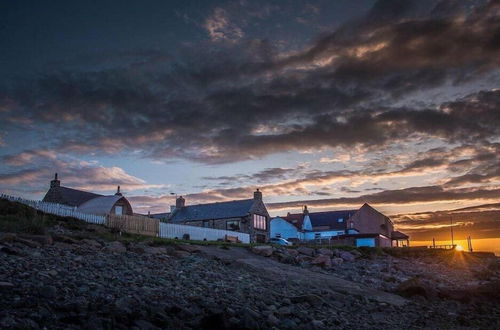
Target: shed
<point>102,205</point>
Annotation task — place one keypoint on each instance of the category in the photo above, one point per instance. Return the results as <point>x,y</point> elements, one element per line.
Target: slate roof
<point>222,210</point>
<point>399,235</point>
<point>330,219</point>
<point>68,196</point>
<point>322,219</point>
<point>100,205</point>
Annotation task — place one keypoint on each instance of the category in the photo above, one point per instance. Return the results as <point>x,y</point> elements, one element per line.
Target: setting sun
<point>459,248</point>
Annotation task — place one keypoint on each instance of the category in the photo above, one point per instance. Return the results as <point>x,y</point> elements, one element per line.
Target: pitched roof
<point>99,205</point>
<point>295,219</point>
<point>322,219</point>
<point>68,196</point>
<point>331,219</point>
<point>399,235</point>
<point>222,210</point>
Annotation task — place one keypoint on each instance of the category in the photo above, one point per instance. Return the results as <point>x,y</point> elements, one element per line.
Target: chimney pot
<point>257,195</point>
<point>118,193</point>
<point>55,182</point>
<point>180,202</point>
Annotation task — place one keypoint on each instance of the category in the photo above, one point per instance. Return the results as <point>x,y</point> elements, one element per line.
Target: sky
<point>326,103</point>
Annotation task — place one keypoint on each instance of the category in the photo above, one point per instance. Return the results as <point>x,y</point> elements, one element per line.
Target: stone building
<point>87,202</point>
<point>247,216</point>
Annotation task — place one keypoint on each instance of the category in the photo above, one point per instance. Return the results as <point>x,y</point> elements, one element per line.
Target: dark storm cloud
<point>399,196</point>
<point>225,102</point>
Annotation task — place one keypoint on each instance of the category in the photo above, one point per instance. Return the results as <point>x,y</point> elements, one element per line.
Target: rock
<point>323,261</point>
<point>326,252</point>
<point>65,239</point>
<point>115,247</point>
<point>412,287</point>
<point>312,299</point>
<point>42,239</point>
<point>11,250</point>
<point>28,242</point>
<point>273,320</point>
<point>48,291</point>
<point>6,285</point>
<point>180,254</point>
<point>346,256</point>
<point>145,325</point>
<point>92,243</point>
<point>306,251</point>
<point>8,238</point>
<point>263,250</point>
<point>292,252</point>
<point>317,324</point>
<point>214,321</point>
<point>337,261</point>
<point>356,253</point>
<point>188,248</point>
<point>288,324</point>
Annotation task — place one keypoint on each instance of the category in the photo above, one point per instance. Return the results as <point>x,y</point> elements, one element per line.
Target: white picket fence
<point>166,230</point>
<point>171,230</point>
<point>58,209</point>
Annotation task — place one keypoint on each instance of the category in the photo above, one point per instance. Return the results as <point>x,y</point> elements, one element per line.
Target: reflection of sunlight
<point>459,248</point>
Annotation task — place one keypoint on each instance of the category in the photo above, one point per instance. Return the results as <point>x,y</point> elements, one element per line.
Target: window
<point>351,224</point>
<point>340,220</point>
<point>118,209</point>
<point>278,235</point>
<point>317,235</point>
<point>233,225</point>
<point>206,223</point>
<point>259,222</point>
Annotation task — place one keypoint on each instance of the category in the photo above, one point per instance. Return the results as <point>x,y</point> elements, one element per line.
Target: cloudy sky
<point>325,103</point>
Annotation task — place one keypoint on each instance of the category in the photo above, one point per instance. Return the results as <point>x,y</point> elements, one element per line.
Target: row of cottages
<point>363,227</point>
<point>87,202</point>
<point>246,215</point>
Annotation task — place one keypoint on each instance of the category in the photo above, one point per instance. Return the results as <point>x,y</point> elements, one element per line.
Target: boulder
<point>180,254</point>
<point>7,237</point>
<point>292,252</point>
<point>263,250</point>
<point>65,239</point>
<point>28,242</point>
<point>306,251</point>
<point>337,261</point>
<point>91,242</point>
<point>188,248</point>
<point>42,239</point>
<point>323,261</point>
<point>326,252</point>
<point>6,285</point>
<point>413,287</point>
<point>115,247</point>
<point>346,256</point>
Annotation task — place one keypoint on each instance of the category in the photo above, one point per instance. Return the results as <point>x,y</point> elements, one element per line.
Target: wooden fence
<point>134,224</point>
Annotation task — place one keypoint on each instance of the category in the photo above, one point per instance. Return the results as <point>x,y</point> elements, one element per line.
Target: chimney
<point>180,202</point>
<point>55,182</point>
<point>306,211</point>
<point>118,193</point>
<point>257,195</point>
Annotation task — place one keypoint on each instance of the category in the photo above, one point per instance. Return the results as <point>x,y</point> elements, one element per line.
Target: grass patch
<point>19,218</point>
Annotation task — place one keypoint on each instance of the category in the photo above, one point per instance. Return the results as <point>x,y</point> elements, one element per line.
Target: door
<point>118,210</point>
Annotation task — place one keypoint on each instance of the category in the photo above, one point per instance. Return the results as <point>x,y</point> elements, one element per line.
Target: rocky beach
<point>80,276</point>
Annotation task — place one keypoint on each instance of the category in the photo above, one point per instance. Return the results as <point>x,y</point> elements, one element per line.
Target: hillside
<point>60,273</point>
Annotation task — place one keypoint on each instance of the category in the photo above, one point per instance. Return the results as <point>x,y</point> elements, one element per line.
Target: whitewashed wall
<point>170,230</point>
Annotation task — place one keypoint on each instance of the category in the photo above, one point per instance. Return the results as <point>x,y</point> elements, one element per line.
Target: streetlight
<point>451,229</point>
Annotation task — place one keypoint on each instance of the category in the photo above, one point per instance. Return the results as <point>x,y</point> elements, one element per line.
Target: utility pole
<point>451,229</point>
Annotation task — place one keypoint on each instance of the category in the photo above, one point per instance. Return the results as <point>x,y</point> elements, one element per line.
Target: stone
<point>48,291</point>
<point>42,239</point>
<point>346,256</point>
<point>326,252</point>
<point>288,324</point>
<point>188,248</point>
<point>322,260</point>
<point>6,285</point>
<point>412,287</point>
<point>8,238</point>
<point>180,254</point>
<point>306,251</point>
<point>145,325</point>
<point>115,247</point>
<point>317,324</point>
<point>337,261</point>
<point>28,242</point>
<point>273,320</point>
<point>312,299</point>
<point>292,252</point>
<point>263,250</point>
<point>65,239</point>
<point>92,243</point>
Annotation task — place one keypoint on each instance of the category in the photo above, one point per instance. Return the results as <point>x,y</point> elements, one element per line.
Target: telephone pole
<point>451,229</point>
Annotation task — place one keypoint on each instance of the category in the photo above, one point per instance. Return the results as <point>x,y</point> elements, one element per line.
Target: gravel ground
<point>96,284</point>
